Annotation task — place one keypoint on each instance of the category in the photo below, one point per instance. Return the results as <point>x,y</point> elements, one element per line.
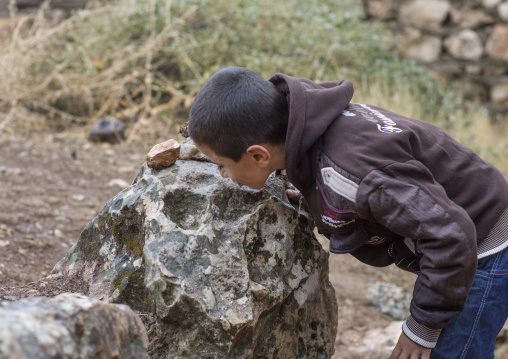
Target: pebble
<point>10,171</point>
<point>4,243</point>
<point>23,218</point>
<point>126,169</point>
<point>390,299</point>
<point>118,182</point>
<point>9,219</point>
<point>78,197</point>
<point>379,342</point>
<point>189,151</point>
<point>163,154</point>
<point>107,129</point>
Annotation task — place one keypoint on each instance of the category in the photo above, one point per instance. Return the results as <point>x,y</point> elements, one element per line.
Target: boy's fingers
<point>293,195</point>
<point>296,196</point>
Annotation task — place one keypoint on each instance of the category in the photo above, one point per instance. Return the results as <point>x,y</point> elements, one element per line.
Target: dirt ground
<point>53,185</point>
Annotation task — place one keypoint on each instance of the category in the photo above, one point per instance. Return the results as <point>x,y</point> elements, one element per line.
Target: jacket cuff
<point>420,334</point>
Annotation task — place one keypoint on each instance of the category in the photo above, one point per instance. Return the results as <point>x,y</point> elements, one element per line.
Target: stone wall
<point>463,40</point>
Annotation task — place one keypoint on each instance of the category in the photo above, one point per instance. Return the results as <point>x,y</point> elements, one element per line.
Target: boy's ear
<point>260,155</point>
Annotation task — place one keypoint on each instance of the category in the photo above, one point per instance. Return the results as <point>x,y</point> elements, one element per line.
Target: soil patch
<point>53,186</point>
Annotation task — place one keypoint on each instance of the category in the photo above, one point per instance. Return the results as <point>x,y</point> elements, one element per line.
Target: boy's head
<point>235,109</point>
<point>239,121</point>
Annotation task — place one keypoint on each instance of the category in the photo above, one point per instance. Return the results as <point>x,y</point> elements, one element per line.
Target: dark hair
<point>235,109</point>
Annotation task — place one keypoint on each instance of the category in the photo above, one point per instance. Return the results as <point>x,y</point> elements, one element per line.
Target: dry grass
<point>55,77</point>
<point>135,59</point>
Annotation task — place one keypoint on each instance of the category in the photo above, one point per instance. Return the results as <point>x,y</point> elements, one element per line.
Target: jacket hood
<point>313,106</point>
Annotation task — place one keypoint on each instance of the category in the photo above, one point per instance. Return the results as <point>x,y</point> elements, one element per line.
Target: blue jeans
<point>472,334</point>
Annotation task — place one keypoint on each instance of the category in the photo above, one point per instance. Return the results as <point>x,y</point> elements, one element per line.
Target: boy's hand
<point>296,196</point>
<point>407,349</point>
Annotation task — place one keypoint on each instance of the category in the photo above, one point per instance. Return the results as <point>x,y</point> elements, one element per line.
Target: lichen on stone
<point>223,271</point>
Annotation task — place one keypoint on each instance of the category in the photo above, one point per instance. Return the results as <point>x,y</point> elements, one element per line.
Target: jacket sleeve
<point>405,198</point>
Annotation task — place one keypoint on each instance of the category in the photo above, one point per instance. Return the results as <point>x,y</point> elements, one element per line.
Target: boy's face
<point>250,171</point>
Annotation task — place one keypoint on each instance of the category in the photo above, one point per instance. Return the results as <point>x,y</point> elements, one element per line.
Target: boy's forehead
<point>209,153</point>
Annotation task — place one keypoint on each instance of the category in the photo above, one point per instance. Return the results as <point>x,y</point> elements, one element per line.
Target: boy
<point>382,187</point>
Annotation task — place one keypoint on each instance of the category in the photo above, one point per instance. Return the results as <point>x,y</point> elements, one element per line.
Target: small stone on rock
<point>163,154</point>
<point>189,151</point>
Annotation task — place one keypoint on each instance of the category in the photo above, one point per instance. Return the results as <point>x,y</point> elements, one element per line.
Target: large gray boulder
<point>70,326</point>
<point>217,271</point>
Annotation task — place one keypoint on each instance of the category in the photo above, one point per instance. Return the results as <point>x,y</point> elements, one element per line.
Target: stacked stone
<point>464,40</point>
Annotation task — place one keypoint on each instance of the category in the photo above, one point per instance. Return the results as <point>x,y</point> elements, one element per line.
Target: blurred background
<point>65,65</point>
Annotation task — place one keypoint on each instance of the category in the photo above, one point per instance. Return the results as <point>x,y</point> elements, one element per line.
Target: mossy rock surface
<point>215,270</point>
